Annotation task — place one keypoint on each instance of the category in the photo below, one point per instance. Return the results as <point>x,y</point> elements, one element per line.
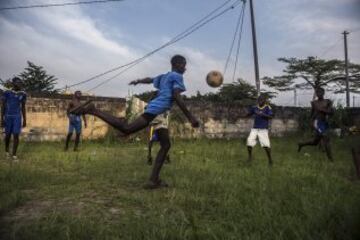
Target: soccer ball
<point>214,79</point>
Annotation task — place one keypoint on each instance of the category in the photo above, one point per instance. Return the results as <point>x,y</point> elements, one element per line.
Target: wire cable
<point>153,51</point>
<point>232,43</point>
<point>58,4</point>
<point>238,44</point>
<point>139,60</point>
<point>330,48</point>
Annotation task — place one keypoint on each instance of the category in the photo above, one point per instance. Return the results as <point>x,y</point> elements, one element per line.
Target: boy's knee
<point>166,145</point>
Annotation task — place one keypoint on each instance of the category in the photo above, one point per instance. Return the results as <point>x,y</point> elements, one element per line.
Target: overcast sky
<point>76,42</point>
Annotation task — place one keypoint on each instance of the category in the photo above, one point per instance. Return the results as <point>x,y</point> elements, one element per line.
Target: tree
<point>311,73</point>
<point>240,92</point>
<point>146,96</point>
<point>34,79</point>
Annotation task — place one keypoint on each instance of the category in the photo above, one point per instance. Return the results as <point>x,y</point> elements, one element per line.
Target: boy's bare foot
<point>299,147</point>
<point>154,185</point>
<point>149,161</point>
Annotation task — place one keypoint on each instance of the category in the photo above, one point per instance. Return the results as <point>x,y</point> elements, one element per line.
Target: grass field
<point>214,194</point>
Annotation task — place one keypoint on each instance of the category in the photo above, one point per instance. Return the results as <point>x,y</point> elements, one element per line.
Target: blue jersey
<point>14,101</point>
<point>166,84</point>
<point>74,118</point>
<point>261,122</point>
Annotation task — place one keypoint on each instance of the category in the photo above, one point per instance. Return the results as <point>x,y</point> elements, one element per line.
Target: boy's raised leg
<point>118,123</point>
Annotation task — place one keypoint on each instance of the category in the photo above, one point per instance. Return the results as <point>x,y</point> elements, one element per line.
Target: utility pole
<point>295,97</point>
<point>345,33</point>
<point>353,101</point>
<point>255,52</point>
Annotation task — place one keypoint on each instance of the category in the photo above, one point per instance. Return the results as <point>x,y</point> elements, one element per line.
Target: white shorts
<point>262,134</point>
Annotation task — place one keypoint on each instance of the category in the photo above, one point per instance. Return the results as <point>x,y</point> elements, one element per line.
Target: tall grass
<point>214,194</point>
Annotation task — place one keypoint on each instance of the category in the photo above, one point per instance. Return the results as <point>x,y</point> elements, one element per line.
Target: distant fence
<point>47,119</point>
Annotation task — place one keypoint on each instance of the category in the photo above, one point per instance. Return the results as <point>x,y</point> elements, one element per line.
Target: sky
<point>75,43</point>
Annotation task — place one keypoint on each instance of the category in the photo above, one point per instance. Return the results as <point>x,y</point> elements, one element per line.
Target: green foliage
<point>311,72</point>
<point>97,193</point>
<point>146,96</point>
<point>34,80</point>
<point>341,118</point>
<point>239,92</point>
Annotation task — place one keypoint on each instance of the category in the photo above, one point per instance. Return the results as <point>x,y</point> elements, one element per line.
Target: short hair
<point>77,91</point>
<point>16,79</point>
<point>262,96</point>
<point>320,89</point>
<point>177,59</point>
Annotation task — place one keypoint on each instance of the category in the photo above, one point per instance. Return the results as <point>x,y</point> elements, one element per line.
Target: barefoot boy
<point>321,109</point>
<point>169,85</point>
<point>262,114</point>
<point>74,122</point>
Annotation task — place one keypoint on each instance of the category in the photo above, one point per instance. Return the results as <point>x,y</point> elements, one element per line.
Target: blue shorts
<point>321,126</point>
<point>155,137</point>
<point>13,124</point>
<point>75,126</point>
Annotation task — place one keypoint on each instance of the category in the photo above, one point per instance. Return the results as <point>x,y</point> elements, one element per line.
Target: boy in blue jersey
<point>321,109</point>
<point>170,86</point>
<point>263,114</point>
<point>75,123</point>
<point>13,115</point>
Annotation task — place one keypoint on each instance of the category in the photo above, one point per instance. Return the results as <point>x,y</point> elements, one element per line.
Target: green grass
<point>214,194</point>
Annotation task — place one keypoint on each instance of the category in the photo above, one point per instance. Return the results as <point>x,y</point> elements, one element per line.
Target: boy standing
<point>13,115</point>
<point>263,114</point>
<point>170,85</point>
<point>74,122</point>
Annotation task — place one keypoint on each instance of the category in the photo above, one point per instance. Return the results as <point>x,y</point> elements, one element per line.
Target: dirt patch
<point>89,201</point>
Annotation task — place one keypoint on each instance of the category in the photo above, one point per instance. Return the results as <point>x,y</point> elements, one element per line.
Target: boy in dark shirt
<point>263,114</point>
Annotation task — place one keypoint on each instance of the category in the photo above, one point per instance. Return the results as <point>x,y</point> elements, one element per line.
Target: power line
<point>233,43</point>
<point>354,30</point>
<point>58,4</point>
<point>177,38</point>
<point>330,48</point>
<point>174,40</point>
<point>238,44</point>
<point>153,51</point>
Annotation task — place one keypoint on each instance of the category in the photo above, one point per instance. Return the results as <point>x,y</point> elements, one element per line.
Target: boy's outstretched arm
<point>84,119</point>
<point>180,102</point>
<point>3,106</point>
<point>143,81</point>
<point>23,111</point>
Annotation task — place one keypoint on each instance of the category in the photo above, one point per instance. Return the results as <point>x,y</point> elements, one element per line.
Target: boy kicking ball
<point>262,114</point>
<point>170,85</point>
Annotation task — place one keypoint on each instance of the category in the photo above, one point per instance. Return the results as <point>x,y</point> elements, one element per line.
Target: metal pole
<point>295,97</point>
<point>346,69</point>
<point>353,101</point>
<point>255,52</point>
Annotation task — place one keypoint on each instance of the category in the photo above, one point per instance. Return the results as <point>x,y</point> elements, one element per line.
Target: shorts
<point>262,134</point>
<point>13,124</point>
<point>75,126</point>
<point>321,127</point>
<point>155,137</point>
